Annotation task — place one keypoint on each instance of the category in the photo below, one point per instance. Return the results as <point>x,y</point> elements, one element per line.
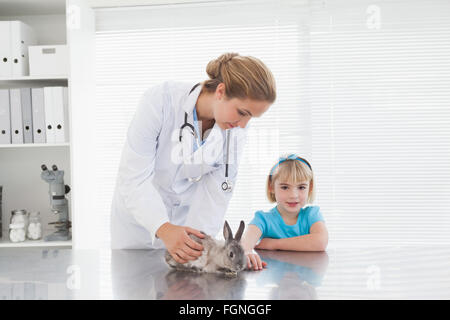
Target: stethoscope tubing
<point>226,185</point>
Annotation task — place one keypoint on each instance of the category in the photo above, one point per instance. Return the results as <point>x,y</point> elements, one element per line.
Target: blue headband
<point>289,157</point>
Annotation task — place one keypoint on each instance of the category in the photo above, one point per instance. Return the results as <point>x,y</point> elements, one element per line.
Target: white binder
<point>66,114</point>
<point>60,113</point>
<point>5,50</point>
<point>6,291</point>
<point>22,36</point>
<point>49,115</point>
<point>27,117</point>
<point>37,105</point>
<point>41,291</point>
<point>5,117</point>
<point>16,116</point>
<point>18,291</point>
<point>15,37</point>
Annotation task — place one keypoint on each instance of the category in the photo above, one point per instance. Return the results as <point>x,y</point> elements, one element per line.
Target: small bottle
<point>18,225</point>
<point>34,230</point>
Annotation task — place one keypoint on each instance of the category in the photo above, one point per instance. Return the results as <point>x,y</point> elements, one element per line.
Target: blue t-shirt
<point>272,224</point>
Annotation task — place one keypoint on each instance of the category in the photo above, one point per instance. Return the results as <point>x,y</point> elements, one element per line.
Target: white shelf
<point>21,162</point>
<point>33,82</point>
<point>6,243</point>
<point>27,7</point>
<point>34,145</point>
<point>37,78</point>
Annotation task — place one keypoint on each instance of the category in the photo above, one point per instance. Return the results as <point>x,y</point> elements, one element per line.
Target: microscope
<point>58,202</point>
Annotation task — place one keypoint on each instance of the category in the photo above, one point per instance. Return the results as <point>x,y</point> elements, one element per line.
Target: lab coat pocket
<point>208,204</point>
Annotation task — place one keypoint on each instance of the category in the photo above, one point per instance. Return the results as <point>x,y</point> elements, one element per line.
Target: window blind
<point>378,90</point>
<point>362,94</point>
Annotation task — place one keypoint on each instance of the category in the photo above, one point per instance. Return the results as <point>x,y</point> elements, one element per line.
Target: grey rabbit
<point>218,256</point>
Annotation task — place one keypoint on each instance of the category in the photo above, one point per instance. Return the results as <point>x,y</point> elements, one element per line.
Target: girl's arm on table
<point>316,240</point>
<point>248,241</point>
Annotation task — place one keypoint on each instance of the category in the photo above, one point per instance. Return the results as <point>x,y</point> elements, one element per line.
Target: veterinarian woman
<point>180,159</point>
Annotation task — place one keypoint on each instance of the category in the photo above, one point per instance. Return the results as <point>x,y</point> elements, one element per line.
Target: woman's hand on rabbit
<point>254,261</point>
<point>180,246</point>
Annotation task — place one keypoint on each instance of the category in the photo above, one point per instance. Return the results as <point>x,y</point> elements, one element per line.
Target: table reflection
<point>143,274</point>
<point>293,275</point>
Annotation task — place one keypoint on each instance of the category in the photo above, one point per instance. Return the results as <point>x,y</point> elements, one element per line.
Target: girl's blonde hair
<point>243,76</point>
<point>293,172</point>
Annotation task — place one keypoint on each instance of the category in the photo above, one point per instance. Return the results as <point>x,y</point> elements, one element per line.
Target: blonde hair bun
<point>243,76</point>
<point>214,67</point>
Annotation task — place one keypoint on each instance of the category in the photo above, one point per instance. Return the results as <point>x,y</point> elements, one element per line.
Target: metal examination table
<point>397,272</point>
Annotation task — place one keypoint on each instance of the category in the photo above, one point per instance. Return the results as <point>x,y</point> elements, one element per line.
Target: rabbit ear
<point>238,234</point>
<point>227,234</point>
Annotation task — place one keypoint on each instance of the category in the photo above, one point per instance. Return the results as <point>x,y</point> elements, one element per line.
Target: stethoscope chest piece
<point>227,186</point>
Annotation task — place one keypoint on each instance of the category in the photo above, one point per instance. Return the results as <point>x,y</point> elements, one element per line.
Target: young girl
<point>290,225</point>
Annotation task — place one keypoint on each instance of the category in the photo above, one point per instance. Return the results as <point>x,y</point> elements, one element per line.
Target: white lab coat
<point>152,188</point>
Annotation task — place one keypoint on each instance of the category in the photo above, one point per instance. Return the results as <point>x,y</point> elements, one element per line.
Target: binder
<point>49,115</point>
<point>5,117</point>
<point>60,112</point>
<point>16,116</point>
<point>27,116</point>
<point>22,36</point>
<point>15,37</point>
<point>37,106</point>
<point>29,290</point>
<point>6,291</point>
<point>18,291</point>
<point>66,114</point>
<point>41,291</point>
<point>5,50</point>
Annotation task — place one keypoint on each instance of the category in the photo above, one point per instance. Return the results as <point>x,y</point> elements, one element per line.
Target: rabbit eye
<point>231,254</point>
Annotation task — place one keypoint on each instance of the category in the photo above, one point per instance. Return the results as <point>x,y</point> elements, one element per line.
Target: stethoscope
<point>227,186</point>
